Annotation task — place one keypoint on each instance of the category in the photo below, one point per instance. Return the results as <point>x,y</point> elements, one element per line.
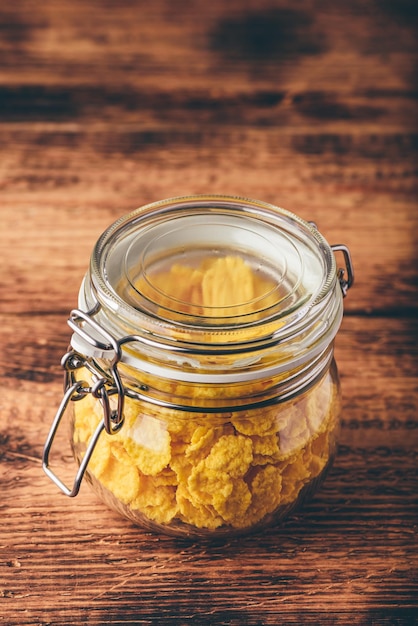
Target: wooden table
<point>105,106</point>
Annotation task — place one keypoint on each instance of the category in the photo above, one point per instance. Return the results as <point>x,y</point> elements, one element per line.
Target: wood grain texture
<point>310,105</point>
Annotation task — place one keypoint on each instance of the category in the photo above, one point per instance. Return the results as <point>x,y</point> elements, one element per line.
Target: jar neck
<point>226,396</point>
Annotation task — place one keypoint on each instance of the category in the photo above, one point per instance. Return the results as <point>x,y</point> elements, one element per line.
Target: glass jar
<point>204,393</point>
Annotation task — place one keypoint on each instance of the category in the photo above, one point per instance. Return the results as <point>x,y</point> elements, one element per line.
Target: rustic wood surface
<point>311,105</point>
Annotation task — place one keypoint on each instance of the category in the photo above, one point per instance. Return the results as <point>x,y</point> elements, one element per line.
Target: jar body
<point>199,473</point>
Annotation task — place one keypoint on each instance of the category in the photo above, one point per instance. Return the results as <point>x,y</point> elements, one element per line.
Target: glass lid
<point>216,267</point>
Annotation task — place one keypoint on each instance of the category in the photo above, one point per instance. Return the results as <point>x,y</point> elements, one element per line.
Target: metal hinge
<point>345,276</point>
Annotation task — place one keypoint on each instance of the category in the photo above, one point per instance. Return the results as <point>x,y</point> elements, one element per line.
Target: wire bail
<point>73,393</point>
<point>102,388</point>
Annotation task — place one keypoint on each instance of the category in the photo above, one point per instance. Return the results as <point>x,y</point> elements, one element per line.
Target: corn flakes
<point>235,506</point>
<point>208,477</point>
<point>200,516</point>
<point>265,487</point>
<point>210,470</point>
<point>121,479</point>
<point>156,498</point>
<point>147,442</point>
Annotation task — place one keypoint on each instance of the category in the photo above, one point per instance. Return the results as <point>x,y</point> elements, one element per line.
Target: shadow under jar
<point>204,392</point>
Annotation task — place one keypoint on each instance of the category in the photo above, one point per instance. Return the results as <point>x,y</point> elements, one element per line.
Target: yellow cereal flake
<point>122,480</point>
<point>201,442</point>
<point>181,429</point>
<point>265,487</point>
<point>231,454</point>
<point>147,442</point>
<point>200,516</point>
<point>120,453</point>
<point>101,456</point>
<point>236,504</point>
<point>206,486</point>
<point>181,466</point>
<point>215,483</point>
<point>156,499</point>
<point>260,423</point>
<point>165,478</point>
<point>267,446</point>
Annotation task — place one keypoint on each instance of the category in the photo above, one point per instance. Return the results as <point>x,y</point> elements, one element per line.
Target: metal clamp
<point>104,385</point>
<point>344,282</point>
<point>80,322</point>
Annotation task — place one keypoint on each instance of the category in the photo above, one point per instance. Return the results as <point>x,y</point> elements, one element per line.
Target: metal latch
<point>104,386</point>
